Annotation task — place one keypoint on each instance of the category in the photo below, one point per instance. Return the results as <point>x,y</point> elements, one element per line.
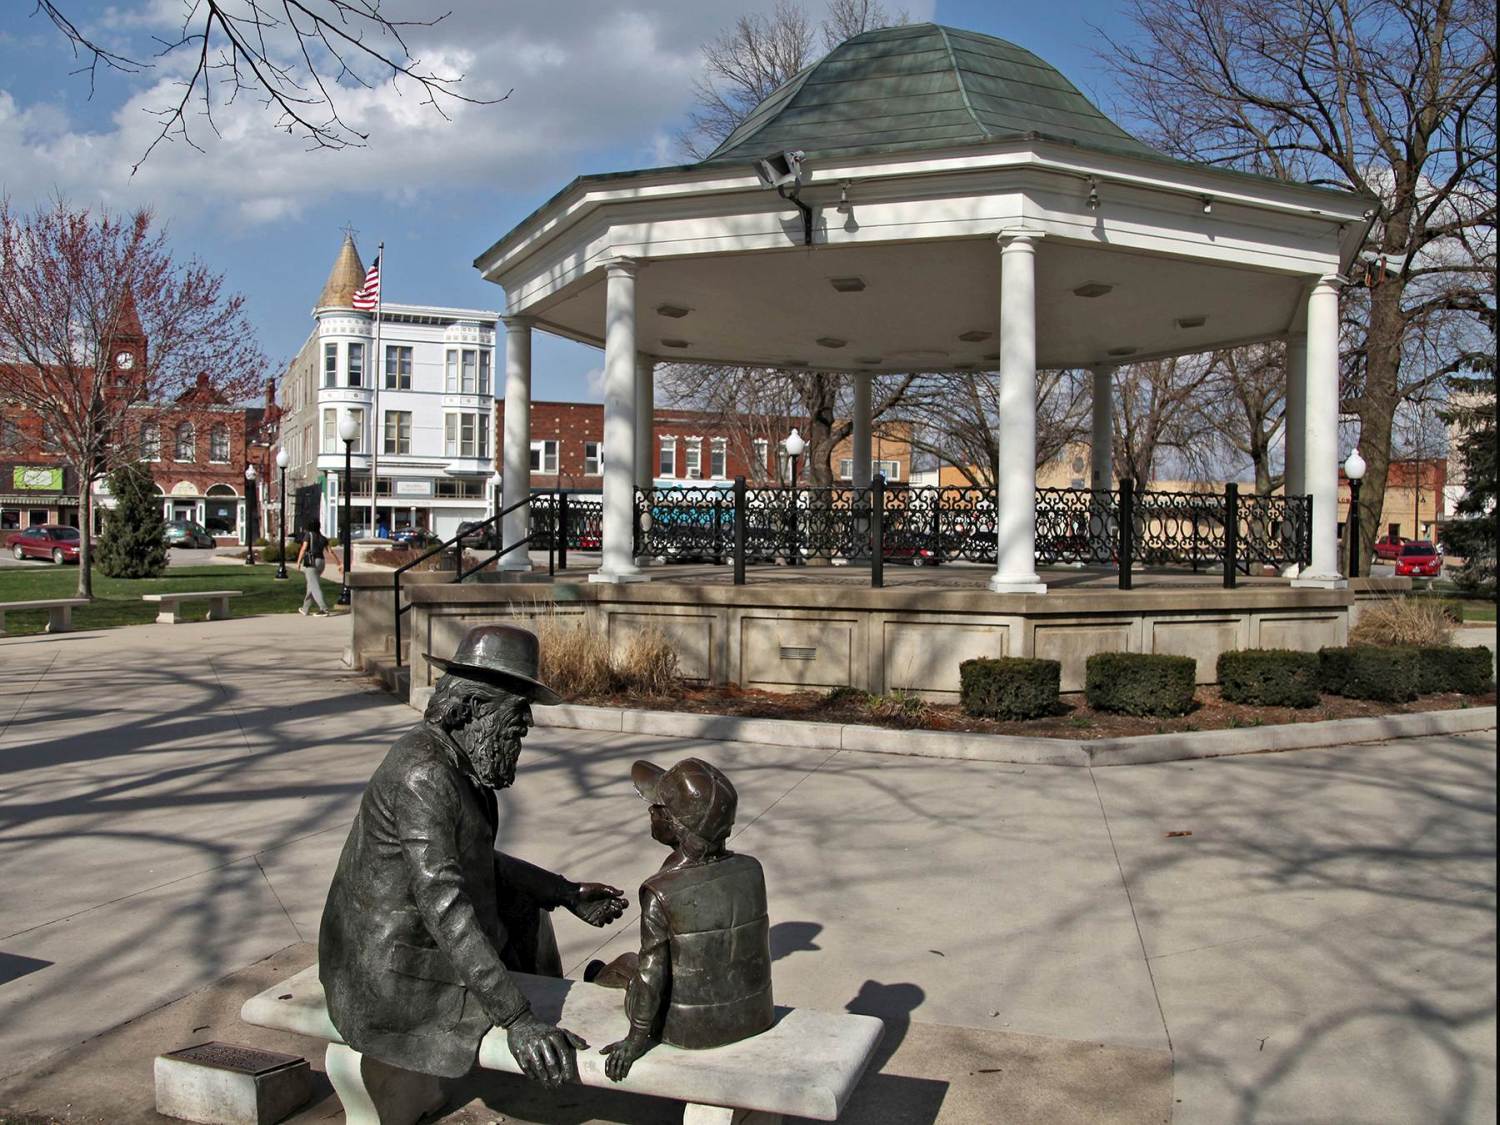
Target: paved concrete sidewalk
<point>172,803</point>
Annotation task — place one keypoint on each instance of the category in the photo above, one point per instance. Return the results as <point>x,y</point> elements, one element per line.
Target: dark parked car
<point>1419,559</point>
<point>48,541</point>
<point>186,533</point>
<point>479,536</point>
<point>414,537</point>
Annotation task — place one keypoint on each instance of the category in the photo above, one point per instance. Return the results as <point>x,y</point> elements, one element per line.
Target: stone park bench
<point>59,612</point>
<point>807,1065</point>
<point>170,605</point>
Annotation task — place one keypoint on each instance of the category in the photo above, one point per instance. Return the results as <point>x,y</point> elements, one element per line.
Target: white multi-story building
<point>424,405</point>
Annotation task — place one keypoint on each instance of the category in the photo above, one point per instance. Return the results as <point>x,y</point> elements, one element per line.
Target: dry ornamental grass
<point>1402,621</point>
<point>576,661</point>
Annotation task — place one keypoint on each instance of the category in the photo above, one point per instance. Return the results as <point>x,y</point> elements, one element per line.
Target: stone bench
<point>59,612</point>
<point>807,1065</point>
<point>170,605</point>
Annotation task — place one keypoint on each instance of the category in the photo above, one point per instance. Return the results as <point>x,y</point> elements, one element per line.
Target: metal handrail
<point>492,524</point>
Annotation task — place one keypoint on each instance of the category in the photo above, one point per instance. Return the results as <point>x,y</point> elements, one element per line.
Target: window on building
<point>358,445</point>
<point>185,444</point>
<point>718,458</point>
<point>397,368</point>
<point>448,489</point>
<point>466,435</point>
<point>356,364</point>
<point>398,431</point>
<point>150,441</point>
<point>220,509</point>
<point>891,470</point>
<point>692,460</point>
<point>592,461</point>
<point>450,366</point>
<point>667,463</point>
<point>468,371</point>
<point>10,434</point>
<point>470,368</point>
<point>484,371</point>
<point>544,457</point>
<point>330,431</point>
<point>49,437</point>
<point>330,364</point>
<point>218,444</point>
<point>760,470</point>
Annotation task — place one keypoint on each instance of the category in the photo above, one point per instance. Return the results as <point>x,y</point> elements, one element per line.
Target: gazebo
<point>926,198</point>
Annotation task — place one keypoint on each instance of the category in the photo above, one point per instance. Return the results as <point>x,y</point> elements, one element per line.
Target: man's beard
<point>493,753</point>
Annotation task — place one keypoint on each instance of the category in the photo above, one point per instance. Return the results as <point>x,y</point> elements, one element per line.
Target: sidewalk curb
<point>1134,751</point>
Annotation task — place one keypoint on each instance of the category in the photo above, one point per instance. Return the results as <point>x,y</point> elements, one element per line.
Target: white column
<point>1015,572</point>
<point>515,484</point>
<point>1102,439</point>
<point>645,417</point>
<point>619,425</point>
<point>1320,470</point>
<point>1296,414</point>
<point>862,437</point>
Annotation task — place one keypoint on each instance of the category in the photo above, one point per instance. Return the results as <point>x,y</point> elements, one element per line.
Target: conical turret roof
<point>347,275</point>
<point>922,86</point>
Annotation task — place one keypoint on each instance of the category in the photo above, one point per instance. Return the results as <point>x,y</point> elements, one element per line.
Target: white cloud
<point>585,79</point>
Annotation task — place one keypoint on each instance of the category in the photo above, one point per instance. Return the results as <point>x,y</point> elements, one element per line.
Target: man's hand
<point>623,1054</point>
<point>598,904</point>
<point>544,1052</point>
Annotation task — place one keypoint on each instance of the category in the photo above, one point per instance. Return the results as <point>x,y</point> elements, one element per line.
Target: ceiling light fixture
<point>1092,289</point>
<point>848,284</point>
<point>1123,351</point>
<point>676,312</point>
<point>974,336</point>
<point>674,343</point>
<point>867,360</point>
<point>831,342</point>
<point>845,207</point>
<point>1191,321</point>
<point>1208,205</point>
<point>1093,194</point>
<point>991,357</point>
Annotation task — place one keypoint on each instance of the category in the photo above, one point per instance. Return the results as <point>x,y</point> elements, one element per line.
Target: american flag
<point>367,296</point>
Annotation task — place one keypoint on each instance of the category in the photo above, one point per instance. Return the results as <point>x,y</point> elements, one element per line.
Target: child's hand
<point>598,904</point>
<point>622,1055</point>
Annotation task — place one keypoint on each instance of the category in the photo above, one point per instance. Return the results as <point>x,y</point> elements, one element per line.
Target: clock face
<point>125,361</point>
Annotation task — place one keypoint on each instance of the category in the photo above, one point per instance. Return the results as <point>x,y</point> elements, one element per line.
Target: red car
<point>1419,559</point>
<point>1388,547</point>
<point>48,541</point>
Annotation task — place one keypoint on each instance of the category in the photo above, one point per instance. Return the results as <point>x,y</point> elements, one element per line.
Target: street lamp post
<point>348,431</point>
<point>1354,469</point>
<point>281,463</point>
<point>250,528</point>
<point>794,445</point>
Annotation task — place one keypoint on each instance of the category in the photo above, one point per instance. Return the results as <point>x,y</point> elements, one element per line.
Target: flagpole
<point>377,425</point>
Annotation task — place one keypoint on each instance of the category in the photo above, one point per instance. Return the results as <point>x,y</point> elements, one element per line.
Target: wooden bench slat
<point>807,1065</point>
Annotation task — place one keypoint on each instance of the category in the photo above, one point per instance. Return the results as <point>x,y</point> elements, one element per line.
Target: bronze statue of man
<point>425,920</point>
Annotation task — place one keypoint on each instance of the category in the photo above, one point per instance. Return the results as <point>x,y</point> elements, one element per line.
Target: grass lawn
<point>117,601</point>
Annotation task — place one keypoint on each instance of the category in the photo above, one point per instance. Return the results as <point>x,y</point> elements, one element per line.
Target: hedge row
<point>1009,687</point>
<point>1270,677</point>
<point>1397,675</point>
<point>1139,683</point>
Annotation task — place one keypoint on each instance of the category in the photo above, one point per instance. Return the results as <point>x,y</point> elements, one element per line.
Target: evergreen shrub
<point>1009,687</point>
<point>1389,675</point>
<point>133,542</point>
<point>1269,677</point>
<point>1139,683</point>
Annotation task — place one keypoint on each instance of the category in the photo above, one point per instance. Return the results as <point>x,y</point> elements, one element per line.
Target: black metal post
<point>281,530</point>
<point>937,523</point>
<point>795,559</point>
<point>561,530</point>
<point>1195,536</point>
<point>1352,525</point>
<point>718,512</point>
<point>250,529</point>
<point>346,533</point>
<point>877,531</point>
<point>739,531</point>
<point>1125,531</point>
<point>1231,534</point>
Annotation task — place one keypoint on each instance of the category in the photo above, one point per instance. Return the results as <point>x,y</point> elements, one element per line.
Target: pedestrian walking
<point>310,561</point>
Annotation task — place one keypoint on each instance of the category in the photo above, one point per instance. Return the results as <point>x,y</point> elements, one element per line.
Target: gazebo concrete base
<point>797,633</point>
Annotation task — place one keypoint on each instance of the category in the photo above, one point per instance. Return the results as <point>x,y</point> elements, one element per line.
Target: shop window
<point>185,444</point>
<point>221,510</point>
<point>218,445</point>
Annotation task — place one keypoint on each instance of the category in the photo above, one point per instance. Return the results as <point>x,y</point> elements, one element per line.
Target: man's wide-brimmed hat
<point>696,793</point>
<point>505,655</point>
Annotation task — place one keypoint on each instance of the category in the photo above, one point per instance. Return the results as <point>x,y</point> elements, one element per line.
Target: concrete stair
<point>382,667</point>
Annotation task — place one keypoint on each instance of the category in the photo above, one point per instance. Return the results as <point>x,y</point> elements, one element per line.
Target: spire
<point>347,275</point>
<point>130,320</point>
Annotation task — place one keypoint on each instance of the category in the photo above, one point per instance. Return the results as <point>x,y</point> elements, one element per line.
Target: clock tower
<point>126,350</point>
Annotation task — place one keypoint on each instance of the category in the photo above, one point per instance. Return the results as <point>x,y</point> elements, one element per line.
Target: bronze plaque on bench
<point>242,1060</point>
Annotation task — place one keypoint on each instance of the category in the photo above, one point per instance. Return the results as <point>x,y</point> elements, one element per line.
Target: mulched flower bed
<point>1074,720</point>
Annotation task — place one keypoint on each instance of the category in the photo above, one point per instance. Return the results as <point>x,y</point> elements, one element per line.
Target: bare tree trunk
<point>1377,406</point>
<point>820,392</point>
<point>85,540</point>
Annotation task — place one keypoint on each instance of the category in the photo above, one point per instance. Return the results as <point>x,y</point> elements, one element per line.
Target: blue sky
<point>597,86</point>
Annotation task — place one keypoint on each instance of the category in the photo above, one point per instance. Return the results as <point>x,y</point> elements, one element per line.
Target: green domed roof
<point>922,86</point>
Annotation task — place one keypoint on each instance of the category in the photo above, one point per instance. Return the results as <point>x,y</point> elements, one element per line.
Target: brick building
<point>567,443</point>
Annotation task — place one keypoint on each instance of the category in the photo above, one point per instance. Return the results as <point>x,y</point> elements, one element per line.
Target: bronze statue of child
<point>703,975</point>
